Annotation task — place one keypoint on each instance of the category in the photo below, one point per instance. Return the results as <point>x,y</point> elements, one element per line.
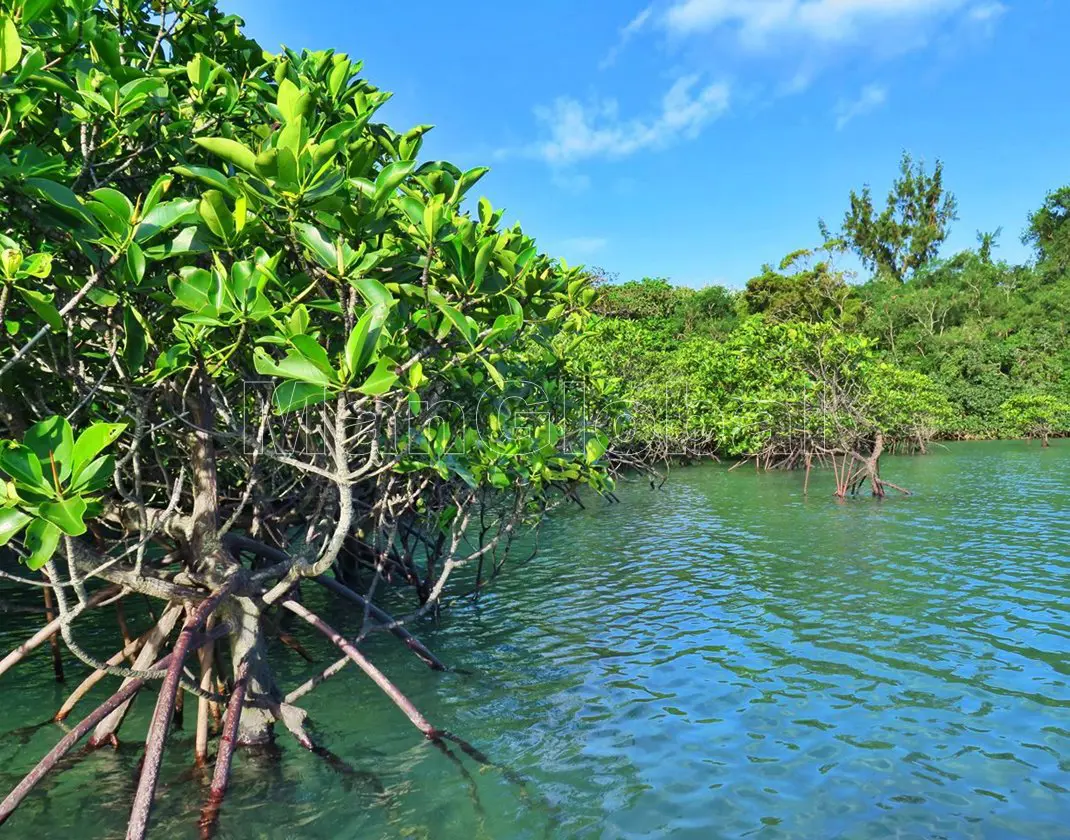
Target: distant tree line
<point>990,337</point>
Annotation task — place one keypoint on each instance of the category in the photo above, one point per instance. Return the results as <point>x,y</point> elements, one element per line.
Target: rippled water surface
<point>720,658</point>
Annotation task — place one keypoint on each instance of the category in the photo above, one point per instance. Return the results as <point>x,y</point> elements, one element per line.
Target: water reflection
<point>721,658</point>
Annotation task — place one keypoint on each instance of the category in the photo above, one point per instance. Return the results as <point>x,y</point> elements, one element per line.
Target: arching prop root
<point>126,691</point>
<point>221,776</point>
<point>386,620</point>
<point>165,706</point>
<point>438,737</point>
<point>362,662</point>
<point>106,731</point>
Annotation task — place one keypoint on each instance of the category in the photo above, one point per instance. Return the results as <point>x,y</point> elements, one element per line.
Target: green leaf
<point>134,262</point>
<point>308,347</point>
<point>374,292</point>
<point>118,203</point>
<point>294,366</point>
<point>360,347</point>
<point>291,139</point>
<point>292,101</point>
<point>102,297</point>
<point>22,464</point>
<point>495,374</point>
<point>319,246</point>
<point>38,265</point>
<point>10,45</point>
<point>198,290</point>
<point>165,216</point>
<point>41,304</point>
<point>96,475</point>
<point>186,241</point>
<point>469,179</point>
<point>381,380</point>
<point>41,540</point>
<point>217,215</point>
<point>291,396</point>
<point>52,436</point>
<point>91,442</point>
<point>66,514</point>
<point>11,522</point>
<point>229,150</point>
<point>455,317</point>
<point>595,449</point>
<point>483,259</point>
<point>391,177</point>
<point>208,176</point>
<point>60,196</point>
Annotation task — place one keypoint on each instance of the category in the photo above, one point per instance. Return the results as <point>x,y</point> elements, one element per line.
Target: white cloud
<point>761,24</point>
<point>871,98</point>
<point>629,31</point>
<point>985,12</point>
<point>581,132</point>
<point>584,246</point>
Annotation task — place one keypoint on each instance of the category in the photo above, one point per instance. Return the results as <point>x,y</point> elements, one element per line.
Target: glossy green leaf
<point>94,476</point>
<point>321,249</point>
<point>381,380</point>
<point>208,176</point>
<point>217,215</point>
<point>165,216</point>
<point>118,203</point>
<point>20,462</point>
<point>311,350</point>
<point>293,366</point>
<point>41,304</point>
<point>360,347</point>
<point>292,396</point>
<point>12,521</point>
<point>134,263</point>
<point>10,45</point>
<point>373,292</point>
<point>229,150</point>
<point>54,437</point>
<point>495,374</point>
<point>59,195</point>
<point>391,177</point>
<point>66,514</point>
<point>41,540</point>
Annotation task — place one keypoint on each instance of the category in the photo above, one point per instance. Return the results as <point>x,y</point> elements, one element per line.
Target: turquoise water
<point>720,658</point>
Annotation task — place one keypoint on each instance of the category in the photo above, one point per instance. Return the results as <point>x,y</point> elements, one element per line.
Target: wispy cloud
<point>579,131</point>
<point>627,33</point>
<point>762,24</point>
<point>584,246</point>
<point>984,12</point>
<point>870,99</point>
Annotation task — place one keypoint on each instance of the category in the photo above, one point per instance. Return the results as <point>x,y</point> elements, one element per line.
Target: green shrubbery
<point>965,335</point>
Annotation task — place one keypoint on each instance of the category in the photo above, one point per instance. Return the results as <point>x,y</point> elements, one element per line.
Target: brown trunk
<point>247,645</point>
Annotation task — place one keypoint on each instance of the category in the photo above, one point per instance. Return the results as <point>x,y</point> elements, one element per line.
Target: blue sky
<point>698,139</point>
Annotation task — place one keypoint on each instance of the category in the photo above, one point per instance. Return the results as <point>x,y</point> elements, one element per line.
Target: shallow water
<point>720,658</point>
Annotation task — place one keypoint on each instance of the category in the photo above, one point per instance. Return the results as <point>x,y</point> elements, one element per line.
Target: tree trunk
<point>247,644</point>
